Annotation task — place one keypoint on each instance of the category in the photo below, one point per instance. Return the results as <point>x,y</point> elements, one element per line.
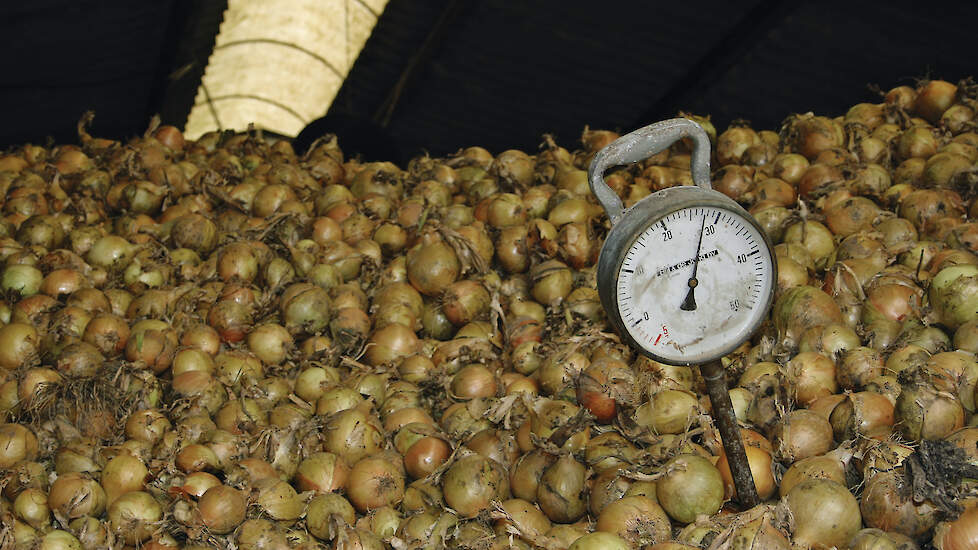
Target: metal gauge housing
<point>686,274</point>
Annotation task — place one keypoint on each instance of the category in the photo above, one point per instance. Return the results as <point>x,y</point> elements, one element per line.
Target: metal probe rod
<point>733,445</point>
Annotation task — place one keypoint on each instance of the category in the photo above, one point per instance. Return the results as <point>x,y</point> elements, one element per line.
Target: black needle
<point>689,304</point>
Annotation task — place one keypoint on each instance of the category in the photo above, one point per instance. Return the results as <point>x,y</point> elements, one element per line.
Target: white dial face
<point>695,284</point>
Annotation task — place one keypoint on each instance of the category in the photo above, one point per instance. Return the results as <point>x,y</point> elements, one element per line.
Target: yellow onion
<point>375,482</point>
<point>600,540</point>
<point>31,506</point>
<point>561,491</point>
<point>277,499</point>
<point>801,308</point>
<point>812,375</point>
<point>472,483</point>
<point>823,512</point>
<point>802,434</point>
<point>668,411</point>
<point>691,486</point>
<point>959,534</point>
<point>17,443</point>
<point>222,508</point>
<point>925,413</point>
<point>122,474</point>
<point>637,519</point>
<point>133,516</point>
<point>885,505</point>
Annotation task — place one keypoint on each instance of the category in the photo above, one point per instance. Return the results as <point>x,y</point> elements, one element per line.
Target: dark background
<point>441,75</point>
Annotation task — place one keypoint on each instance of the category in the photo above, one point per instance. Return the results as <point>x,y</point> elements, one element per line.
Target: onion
<point>908,356</point>
<point>812,375</point>
<point>255,534</point>
<point>556,375</point>
<point>432,266</point>
<point>499,445</point>
<point>885,505</point>
<point>870,539</point>
<point>819,179</point>
<point>422,495</point>
<point>375,482</point>
<point>319,512</point>
<point>390,343</point>
<point>760,462</point>
<point>823,512</point>
<point>735,180</point>
<point>691,486</point>
<point>815,237</point>
<point>552,280</point>
<point>22,280</point>
<point>196,458</point>
<point>924,207</point>
<point>59,540</point>
<point>18,345</point>
<point>933,98</point>
<point>801,308</point>
<point>733,142</point>
<point>862,413</point>
<point>959,534</point>
<point>600,540</point>
<point>639,520</point>
<point>668,411</point>
<point>916,142</point>
<point>425,456</point>
<point>472,482</point>
<point>925,413</point>
<point>401,408</point>
<point>955,372</point>
<point>605,488</point>
<point>31,506</point>
<point>337,399</point>
<point>561,492</point>
<point>122,474</point>
<point>952,294</point>
<point>607,451</point>
<point>17,443</point>
<point>810,135</point>
<point>133,516</point>
<point>222,508</point>
<point>858,366</point>
<point>602,385</point>
<point>851,216</point>
<point>306,309</point>
<point>524,477</point>
<point>353,434</point>
<point>894,301</point>
<point>474,381</point>
<point>520,517</point>
<point>270,342</point>
<point>195,484</point>
<point>802,434</point>
<point>75,495</point>
<point>278,500</point>
<point>829,340</point>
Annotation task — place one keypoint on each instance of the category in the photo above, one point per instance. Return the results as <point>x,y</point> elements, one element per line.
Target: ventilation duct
<point>279,63</point>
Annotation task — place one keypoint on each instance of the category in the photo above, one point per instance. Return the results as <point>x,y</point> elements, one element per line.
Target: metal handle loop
<point>641,144</point>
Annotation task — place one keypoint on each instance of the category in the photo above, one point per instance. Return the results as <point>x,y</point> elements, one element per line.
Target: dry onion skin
<point>225,342</point>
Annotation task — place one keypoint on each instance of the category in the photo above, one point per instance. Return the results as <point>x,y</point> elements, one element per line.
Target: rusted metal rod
<point>733,445</point>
